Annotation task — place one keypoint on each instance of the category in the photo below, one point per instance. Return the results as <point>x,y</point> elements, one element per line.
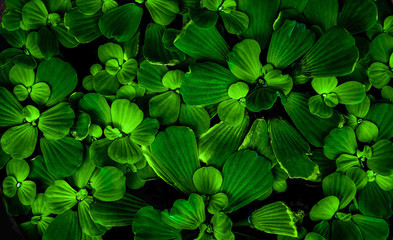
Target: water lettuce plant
<point>197,119</point>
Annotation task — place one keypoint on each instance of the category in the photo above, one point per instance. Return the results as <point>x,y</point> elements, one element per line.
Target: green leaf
<point>105,83</point>
<point>361,20</point>
<point>123,150</point>
<point>341,186</point>
<point>165,107</point>
<point>325,208</point>
<point>117,214</point>
<point>345,229</point>
<point>80,129</point>
<point>58,5</point>
<point>375,202</point>
<point>47,43</point>
<point>21,93</point>
<point>350,92</point>
<point>88,7</point>
<point>212,5</point>
<point>261,98</point>
<point>55,123</point>
<point>60,76</point>
<point>366,131</point>
<point>147,225</point>
<point>319,108</point>
<point>358,176</point>
<point>82,175</point>
<point>11,110</point>
<point>384,182</point>
<point>163,12</point>
<point>34,14</point>
<point>99,152</point>
<point>264,11</point>
<point>121,22</point>
<point>235,22</point>
<point>40,173</point>
<point>207,180</point>
<point>238,90</point>
<point>206,83</point>
<point>381,47</point>
<point>150,76</point>
<point>333,55</point>
<point>97,107</point>
<point>40,93</point>
<point>109,5</point>
<point>379,74</point>
<point>360,110</point>
<point>62,156</point>
<point>18,168</point>
<point>346,161</point>
<point>314,236</point>
<point>371,228</point>
<point>231,111</point>
<point>145,133</point>
<point>86,222</point>
<point>202,43</point>
<point>275,218</point>
<point>291,150</point>
<point>243,187</point>
<point>324,85</point>
<point>381,161</point>
<point>128,71</point>
<point>173,79</point>
<point>185,214</point>
<point>217,203</point>
<point>298,5</point>
<point>31,113</point>
<point>108,184</point>
<point>194,117</point>
<point>175,157</point>
<point>83,27</point>
<point>244,60</point>
<point>289,43</point>
<point>340,140</point>
<point>27,192</point>
<point>66,223</point>
<point>21,75</point>
<point>20,141</point>
<point>322,13</point>
<point>9,186</point>
<point>203,18</point>
<point>60,197</point>
<point>121,109</point>
<point>222,226</point>
<point>220,141</point>
<point>64,37</point>
<point>382,115</point>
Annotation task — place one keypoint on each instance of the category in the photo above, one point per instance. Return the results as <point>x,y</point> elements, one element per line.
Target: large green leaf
<point>20,141</point>
<point>121,110</point>
<point>379,74</point>
<point>55,123</point>
<point>147,225</point>
<point>121,22</point>
<point>289,43</point>
<point>163,12</point>
<point>27,192</point>
<point>381,47</point>
<point>206,83</point>
<point>375,202</point>
<point>244,60</point>
<point>203,18</point>
<point>108,184</point>
<point>18,168</point>
<point>83,27</point>
<point>60,76</point>
<point>291,150</point>
<point>202,43</point>
<point>350,92</point>
<point>381,161</point>
<point>150,76</point>
<point>62,156</point>
<point>340,140</point>
<point>345,230</point>
<point>60,197</point>
<point>47,43</point>
<point>10,109</point>
<point>97,107</point>
<point>262,98</point>
<point>165,107</point>
<point>263,11</point>
<point>231,111</point>
<point>105,83</point>
<point>88,7</point>
<point>119,213</point>
<point>220,141</point>
<point>123,150</point>
<point>325,208</point>
<point>235,22</point>
<point>186,214</point>
<point>247,177</point>
<point>341,186</point>
<point>194,117</point>
<point>358,16</point>
<point>322,13</point>
<point>86,222</point>
<point>371,228</point>
<point>21,75</point>
<point>275,218</point>
<point>67,224</point>
<point>145,133</point>
<point>334,54</point>
<point>382,115</point>
<point>207,180</point>
<point>99,152</point>
<point>222,226</point>
<point>40,173</point>
<point>40,93</point>
<point>34,14</point>
<point>175,157</point>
